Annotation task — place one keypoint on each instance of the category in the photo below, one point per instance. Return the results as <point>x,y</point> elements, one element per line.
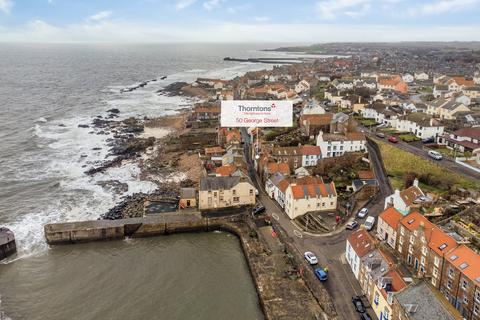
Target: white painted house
<point>402,201</point>
<point>336,145</point>
<point>387,226</point>
<point>421,125</point>
<point>309,194</point>
<point>359,244</point>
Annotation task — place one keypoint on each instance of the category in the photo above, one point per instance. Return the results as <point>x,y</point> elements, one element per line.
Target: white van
<point>369,223</point>
<point>435,155</point>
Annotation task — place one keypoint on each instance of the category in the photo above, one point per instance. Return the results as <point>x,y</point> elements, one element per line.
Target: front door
<point>188,203</point>
<point>416,264</point>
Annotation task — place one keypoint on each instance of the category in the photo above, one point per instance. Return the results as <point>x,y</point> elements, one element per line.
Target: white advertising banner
<point>256,113</point>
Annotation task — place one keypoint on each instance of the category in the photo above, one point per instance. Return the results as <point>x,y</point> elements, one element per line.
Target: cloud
<point>442,6</point>
<point>261,19</point>
<point>212,4</point>
<point>6,6</point>
<point>182,4</point>
<point>330,9</point>
<point>124,32</point>
<point>236,9</point>
<point>101,15</point>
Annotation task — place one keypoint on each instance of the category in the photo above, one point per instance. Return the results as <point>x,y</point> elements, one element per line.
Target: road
<point>416,148</point>
<point>330,249</point>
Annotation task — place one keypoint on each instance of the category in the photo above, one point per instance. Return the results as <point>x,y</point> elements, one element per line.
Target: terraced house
<point>435,255</point>
<point>309,194</point>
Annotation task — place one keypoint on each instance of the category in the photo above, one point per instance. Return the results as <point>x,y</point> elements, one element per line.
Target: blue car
<point>321,274</point>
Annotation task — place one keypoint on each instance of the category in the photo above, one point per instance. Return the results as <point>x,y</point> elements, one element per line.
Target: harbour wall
<point>275,293</point>
<point>7,243</point>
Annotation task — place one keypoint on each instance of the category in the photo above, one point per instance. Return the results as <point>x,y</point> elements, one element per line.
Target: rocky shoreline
<point>166,166</point>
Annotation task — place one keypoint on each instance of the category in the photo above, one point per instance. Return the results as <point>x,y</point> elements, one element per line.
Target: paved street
<point>330,249</point>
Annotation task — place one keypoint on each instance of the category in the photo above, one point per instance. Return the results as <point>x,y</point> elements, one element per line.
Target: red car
<point>393,139</point>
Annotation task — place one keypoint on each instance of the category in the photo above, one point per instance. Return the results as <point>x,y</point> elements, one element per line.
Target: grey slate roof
<point>217,183</point>
<point>187,193</point>
<point>429,307</point>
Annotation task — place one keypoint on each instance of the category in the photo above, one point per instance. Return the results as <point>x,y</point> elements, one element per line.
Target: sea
<point>46,92</point>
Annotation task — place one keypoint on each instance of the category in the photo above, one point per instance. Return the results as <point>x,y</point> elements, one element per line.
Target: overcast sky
<point>238,21</point>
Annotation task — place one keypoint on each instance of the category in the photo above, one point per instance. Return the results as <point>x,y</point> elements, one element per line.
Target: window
<point>234,192</point>
<point>465,299</point>
<point>422,260</point>
<point>251,191</point>
<point>436,261</point>
<point>331,203</point>
<point>412,239</point>
<point>424,251</point>
<point>236,199</point>
<point>449,284</point>
<point>464,284</point>
<point>477,296</point>
<point>434,281</point>
<point>435,271</point>
<point>475,310</point>
<point>215,194</point>
<point>451,273</point>
<point>376,298</point>
<point>400,249</point>
<point>400,240</point>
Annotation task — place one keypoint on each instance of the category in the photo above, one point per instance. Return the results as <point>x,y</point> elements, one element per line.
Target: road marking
<point>297,233</point>
<point>275,216</point>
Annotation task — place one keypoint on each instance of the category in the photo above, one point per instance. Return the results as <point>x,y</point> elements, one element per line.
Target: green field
<point>432,176</point>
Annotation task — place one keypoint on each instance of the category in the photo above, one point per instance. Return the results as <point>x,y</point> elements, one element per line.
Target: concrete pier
<point>152,225</point>
<point>7,243</point>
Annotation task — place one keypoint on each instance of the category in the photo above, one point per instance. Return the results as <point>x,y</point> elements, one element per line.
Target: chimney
<point>415,182</point>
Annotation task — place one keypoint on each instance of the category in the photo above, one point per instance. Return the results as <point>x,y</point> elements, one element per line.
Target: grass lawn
<point>398,162</point>
<point>368,122</point>
<point>409,137</point>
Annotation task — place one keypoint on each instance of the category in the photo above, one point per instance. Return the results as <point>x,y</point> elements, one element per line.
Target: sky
<point>298,21</point>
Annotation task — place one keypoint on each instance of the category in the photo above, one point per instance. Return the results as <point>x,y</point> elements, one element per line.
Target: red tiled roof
<point>361,242</point>
<point>283,185</point>
<point>225,171</point>
<point>410,194</point>
<point>440,242</point>
<point>212,150</point>
<point>468,132</point>
<point>301,191</point>
<point>310,150</point>
<point>397,282</point>
<point>467,261</point>
<point>391,216</point>
<point>412,221</point>
<point>365,174</point>
<point>461,81</point>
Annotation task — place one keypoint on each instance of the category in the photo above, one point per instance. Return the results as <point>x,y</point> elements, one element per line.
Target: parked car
<point>351,225</point>
<point>369,223</point>
<point>362,213</point>
<point>365,316</point>
<point>259,208</point>
<point>310,257</point>
<point>435,155</point>
<point>393,139</point>
<point>357,302</point>
<point>380,135</point>
<point>428,140</point>
<point>321,274</point>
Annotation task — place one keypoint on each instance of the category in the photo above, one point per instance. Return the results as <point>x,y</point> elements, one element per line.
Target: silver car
<point>311,258</point>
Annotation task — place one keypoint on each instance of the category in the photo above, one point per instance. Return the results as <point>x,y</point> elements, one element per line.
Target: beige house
<point>222,192</point>
<point>188,198</point>
<point>387,226</point>
<point>309,194</point>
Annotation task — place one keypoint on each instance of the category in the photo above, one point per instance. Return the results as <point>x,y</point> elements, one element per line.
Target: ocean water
<point>46,91</point>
